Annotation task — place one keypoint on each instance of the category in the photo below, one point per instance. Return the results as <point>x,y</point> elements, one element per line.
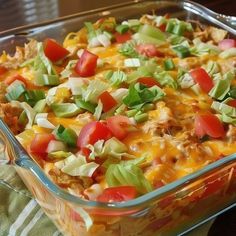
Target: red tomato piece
<point>227,43</point>
<point>40,143</point>
<point>87,64</point>
<point>54,51</point>
<point>232,103</point>
<point>92,132</point>
<point>118,194</point>
<point>119,125</point>
<point>148,81</point>
<point>201,77</point>
<point>162,27</point>
<point>122,38</point>
<point>11,79</point>
<point>148,50</point>
<point>108,101</point>
<point>209,124</point>
<point>3,70</point>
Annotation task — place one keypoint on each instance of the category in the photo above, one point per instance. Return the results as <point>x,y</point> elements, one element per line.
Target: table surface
<point>15,13</point>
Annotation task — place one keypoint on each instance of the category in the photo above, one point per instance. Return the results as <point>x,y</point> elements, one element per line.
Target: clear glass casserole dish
<point>169,210</point>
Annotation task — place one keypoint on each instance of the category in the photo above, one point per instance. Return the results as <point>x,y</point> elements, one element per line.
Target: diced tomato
<point>108,101</point>
<point>54,51</point>
<point>11,79</point>
<point>40,143</point>
<point>201,77</point>
<point>232,103</point>
<point>119,125</point>
<point>87,64</point>
<point>122,38</point>
<point>3,70</point>
<point>209,124</point>
<point>92,132</point>
<point>162,27</point>
<point>148,81</point>
<point>227,43</point>
<point>118,194</point>
<point>148,50</point>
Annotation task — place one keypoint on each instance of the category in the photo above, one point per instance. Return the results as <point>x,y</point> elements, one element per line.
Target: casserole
<point>168,210</point>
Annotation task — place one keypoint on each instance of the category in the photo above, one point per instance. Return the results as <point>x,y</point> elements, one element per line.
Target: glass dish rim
<point>26,162</point>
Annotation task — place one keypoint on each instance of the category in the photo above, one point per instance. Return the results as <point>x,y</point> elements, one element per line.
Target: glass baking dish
<point>170,210</point>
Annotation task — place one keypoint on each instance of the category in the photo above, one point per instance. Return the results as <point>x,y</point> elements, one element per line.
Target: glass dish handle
<point>11,150</point>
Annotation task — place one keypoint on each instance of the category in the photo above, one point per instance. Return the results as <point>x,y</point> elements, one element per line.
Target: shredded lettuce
<point>98,110</point>
<point>227,119</point>
<point>111,148</point>
<point>94,89</point>
<point>165,79</point>
<point>231,52</point>
<point>221,88</point>
<point>77,166</point>
<point>128,49</point>
<point>65,109</point>
<point>223,108</point>
<point>185,80</point>
<point>68,69</point>
<point>139,95</point>
<point>130,175</point>
<point>117,78</point>
<point>201,48</point>
<point>212,68</point>
<point>30,112</point>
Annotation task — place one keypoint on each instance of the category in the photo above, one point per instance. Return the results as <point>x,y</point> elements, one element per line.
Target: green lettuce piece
<point>65,109</point>
<point>111,148</point>
<point>59,155</point>
<point>139,95</point>
<point>231,52</point>
<point>68,69</point>
<point>165,79</point>
<point>77,166</point>
<point>201,48</point>
<point>127,175</point>
<point>117,78</point>
<point>212,68</point>
<point>94,89</point>
<point>227,119</point>
<point>128,50</point>
<point>98,110</point>
<point>223,108</point>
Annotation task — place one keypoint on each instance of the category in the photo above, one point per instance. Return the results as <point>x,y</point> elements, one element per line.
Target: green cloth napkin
<point>20,215</point>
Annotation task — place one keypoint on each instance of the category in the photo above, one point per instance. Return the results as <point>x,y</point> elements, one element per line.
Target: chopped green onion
<point>148,107</point>
<point>15,93</point>
<point>59,155</point>
<point>23,118</point>
<point>169,64</point>
<point>66,135</point>
<point>143,38</point>
<point>32,96</point>
<point>232,92</point>
<point>88,106</point>
<point>220,89</point>
<point>122,28</point>
<point>170,26</point>
<point>118,77</point>
<point>128,49</point>
<point>50,80</point>
<point>165,79</point>
<point>65,109</point>
<point>39,106</point>
<point>152,31</point>
<point>90,29</point>
<point>139,118</point>
<point>179,29</point>
<point>121,109</point>
<point>131,113</point>
<point>181,51</point>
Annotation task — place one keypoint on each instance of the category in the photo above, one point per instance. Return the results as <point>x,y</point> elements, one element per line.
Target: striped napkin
<point>20,215</point>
